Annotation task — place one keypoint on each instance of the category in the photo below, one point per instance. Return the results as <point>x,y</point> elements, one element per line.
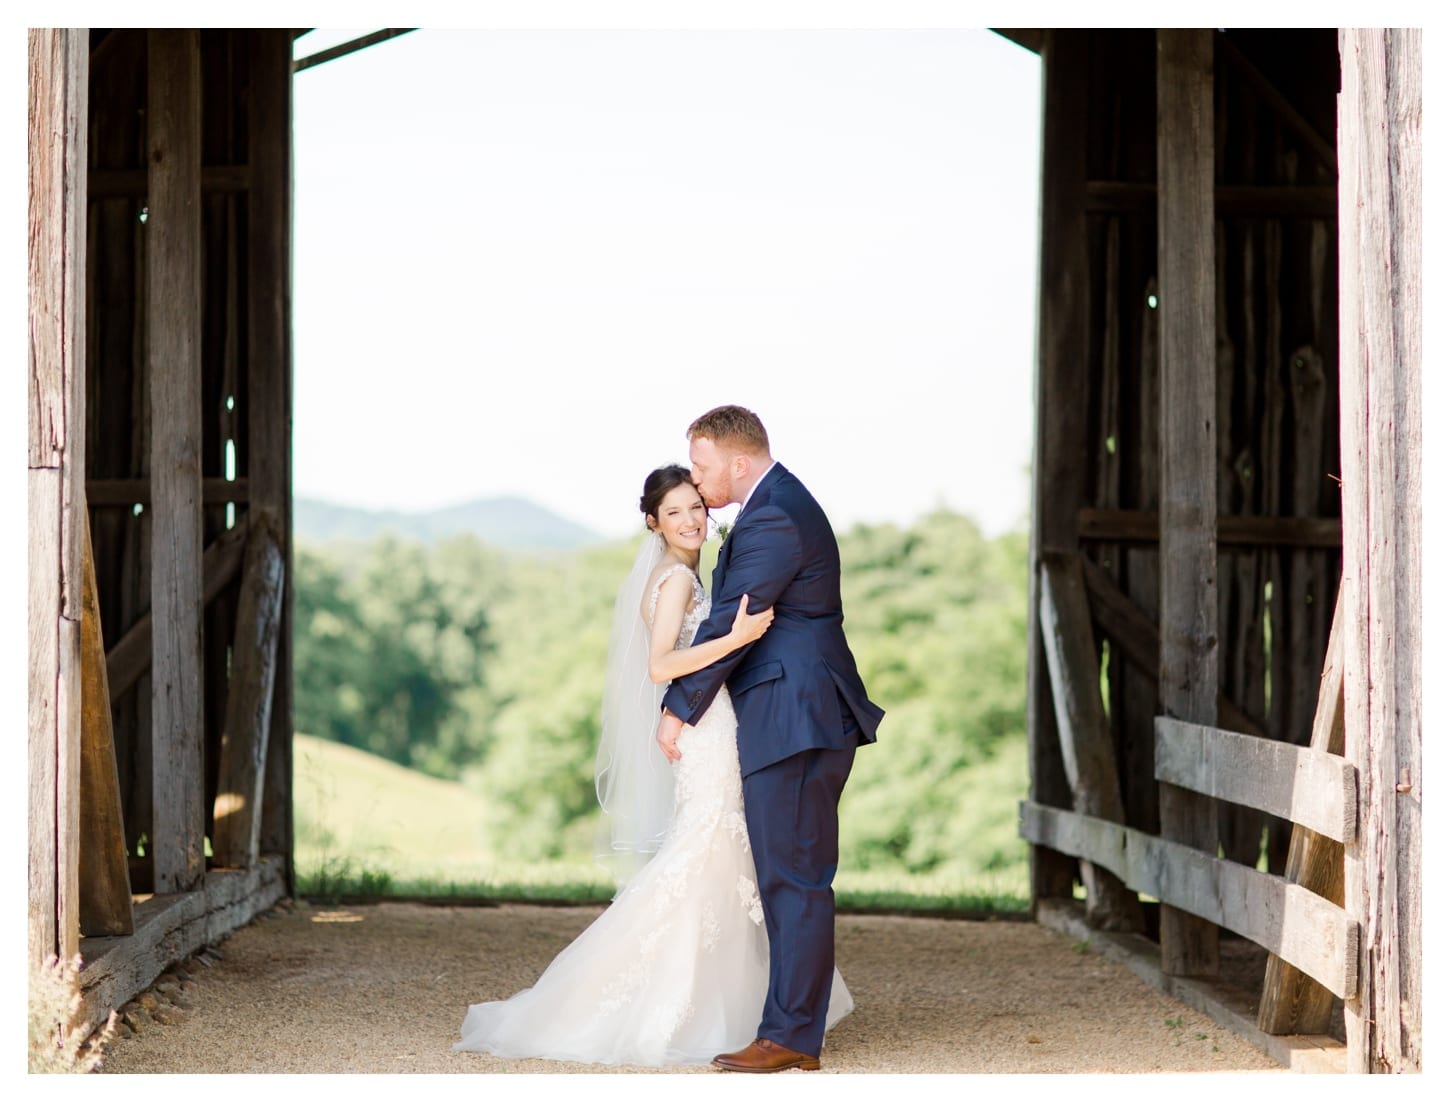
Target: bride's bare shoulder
<point>680,578</point>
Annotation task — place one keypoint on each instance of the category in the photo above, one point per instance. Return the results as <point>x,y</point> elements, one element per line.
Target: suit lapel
<point>722,564</point>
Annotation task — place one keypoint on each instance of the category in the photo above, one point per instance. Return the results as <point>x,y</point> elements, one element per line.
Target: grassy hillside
<point>366,825</point>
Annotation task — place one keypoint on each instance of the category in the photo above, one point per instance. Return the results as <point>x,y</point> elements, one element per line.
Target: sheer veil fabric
<point>632,778</point>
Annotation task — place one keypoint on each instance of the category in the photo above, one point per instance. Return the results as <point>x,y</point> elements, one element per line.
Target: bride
<point>676,968</point>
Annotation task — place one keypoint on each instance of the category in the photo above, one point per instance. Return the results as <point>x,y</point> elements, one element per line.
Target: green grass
<point>369,828</point>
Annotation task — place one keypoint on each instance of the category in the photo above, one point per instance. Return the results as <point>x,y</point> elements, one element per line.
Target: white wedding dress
<point>675,971</point>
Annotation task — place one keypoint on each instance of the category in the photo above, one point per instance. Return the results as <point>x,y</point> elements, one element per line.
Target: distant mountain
<point>511,523</point>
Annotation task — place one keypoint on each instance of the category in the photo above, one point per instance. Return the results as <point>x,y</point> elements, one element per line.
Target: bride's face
<point>681,518</point>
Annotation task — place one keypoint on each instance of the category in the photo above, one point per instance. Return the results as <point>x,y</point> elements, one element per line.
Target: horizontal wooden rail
<point>172,927</point>
<point>1309,787</point>
<point>1234,530</point>
<point>1229,200</point>
<point>137,491</point>
<point>117,183</point>
<point>1293,923</point>
<point>131,656</point>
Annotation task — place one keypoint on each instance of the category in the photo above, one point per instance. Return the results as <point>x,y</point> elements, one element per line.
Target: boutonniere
<point>723,527</point>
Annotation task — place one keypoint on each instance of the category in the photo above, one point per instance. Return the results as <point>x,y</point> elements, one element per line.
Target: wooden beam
<point>105,882</point>
<point>1234,529</point>
<point>131,656</point>
<point>1316,936</point>
<point>128,492</point>
<point>173,253</point>
<point>1306,786</point>
<point>58,80</point>
<point>268,446</point>
<point>169,928</point>
<point>1188,585</point>
<point>1058,482</point>
<point>1229,200</point>
<point>1082,726</point>
<point>1380,315</point>
<point>134,182</point>
<point>238,809</point>
<point>1291,1001</point>
<point>345,48</point>
<point>1028,38</point>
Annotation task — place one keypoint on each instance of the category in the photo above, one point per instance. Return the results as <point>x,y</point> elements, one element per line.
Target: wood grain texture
<point>57,148</point>
<point>247,725</point>
<point>1380,426</point>
<point>105,882</point>
<point>128,661</point>
<point>1292,1002</point>
<point>170,928</point>
<point>1318,937</point>
<point>1082,725</point>
<point>173,232</point>
<point>1188,610</point>
<point>269,382</point>
<point>1307,786</point>
<point>1058,486</point>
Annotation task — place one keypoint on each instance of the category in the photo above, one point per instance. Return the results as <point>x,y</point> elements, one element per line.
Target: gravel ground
<point>383,988</point>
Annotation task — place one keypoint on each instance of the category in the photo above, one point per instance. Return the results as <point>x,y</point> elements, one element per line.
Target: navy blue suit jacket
<point>788,686</point>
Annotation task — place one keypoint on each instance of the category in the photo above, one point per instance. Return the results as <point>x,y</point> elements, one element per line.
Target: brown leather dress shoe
<point>763,1055</point>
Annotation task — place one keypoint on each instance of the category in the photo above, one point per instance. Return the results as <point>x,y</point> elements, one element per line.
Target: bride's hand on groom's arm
<point>667,732</point>
<point>750,626</point>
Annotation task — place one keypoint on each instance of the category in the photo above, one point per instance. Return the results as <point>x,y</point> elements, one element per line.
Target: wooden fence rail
<point>1302,784</point>
<point>1292,922</point>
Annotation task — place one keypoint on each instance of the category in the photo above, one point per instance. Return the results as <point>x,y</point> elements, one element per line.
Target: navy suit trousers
<point>790,811</point>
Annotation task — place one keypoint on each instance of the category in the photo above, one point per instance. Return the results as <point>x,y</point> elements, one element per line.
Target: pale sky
<point>526,260</point>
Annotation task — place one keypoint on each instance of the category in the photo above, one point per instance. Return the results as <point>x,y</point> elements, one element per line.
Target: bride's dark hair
<point>661,481</point>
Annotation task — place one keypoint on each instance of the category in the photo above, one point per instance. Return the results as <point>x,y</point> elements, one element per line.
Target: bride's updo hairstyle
<point>661,481</point>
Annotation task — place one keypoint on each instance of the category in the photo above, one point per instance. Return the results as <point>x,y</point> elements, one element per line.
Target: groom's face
<point>710,468</point>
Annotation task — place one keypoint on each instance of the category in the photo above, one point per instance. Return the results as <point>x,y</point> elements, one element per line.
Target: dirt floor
<point>383,988</point>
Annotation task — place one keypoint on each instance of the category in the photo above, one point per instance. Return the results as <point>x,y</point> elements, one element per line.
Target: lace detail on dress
<point>695,615</point>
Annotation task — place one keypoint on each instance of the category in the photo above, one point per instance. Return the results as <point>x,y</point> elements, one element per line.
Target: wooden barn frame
<point>1224,653</point>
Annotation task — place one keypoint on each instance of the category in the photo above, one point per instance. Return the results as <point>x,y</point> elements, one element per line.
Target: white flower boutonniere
<point>723,527</point>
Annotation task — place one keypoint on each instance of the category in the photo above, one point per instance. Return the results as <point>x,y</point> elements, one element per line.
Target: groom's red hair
<point>733,428</point>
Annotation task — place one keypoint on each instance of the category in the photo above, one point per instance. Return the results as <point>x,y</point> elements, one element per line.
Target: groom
<point>801,709</point>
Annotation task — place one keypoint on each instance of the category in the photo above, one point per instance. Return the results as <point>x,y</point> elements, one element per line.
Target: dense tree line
<point>469,663</point>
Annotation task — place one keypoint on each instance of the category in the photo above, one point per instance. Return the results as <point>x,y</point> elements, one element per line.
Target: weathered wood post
<point>1058,481</point>
<point>1292,1002</point>
<point>173,338</point>
<point>269,383</point>
<point>1188,659</point>
<point>55,483</point>
<point>1379,380</point>
<point>248,718</point>
<point>1087,744</point>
